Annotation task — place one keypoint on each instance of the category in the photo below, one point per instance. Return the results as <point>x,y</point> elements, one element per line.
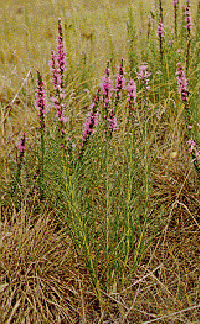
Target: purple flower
<point>193,148</point>
<point>120,80</point>
<point>161,29</point>
<point>58,63</point>
<point>112,120</point>
<point>181,82</point>
<point>58,66</point>
<point>179,51</point>
<point>41,101</point>
<point>119,85</point>
<point>188,17</point>
<point>107,84</point>
<point>142,69</point>
<point>61,54</point>
<point>192,145</point>
<point>151,19</point>
<point>107,88</point>
<point>131,91</point>
<point>21,145</point>
<point>92,120</point>
<point>144,75</point>
<point>53,68</point>
<point>131,95</point>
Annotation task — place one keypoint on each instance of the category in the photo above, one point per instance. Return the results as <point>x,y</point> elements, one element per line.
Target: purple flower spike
<point>144,75</point>
<point>41,101</point>
<point>92,120</point>
<point>181,82</point>
<point>191,143</point>
<point>53,68</point>
<point>131,91</point>
<point>107,84</point>
<point>61,54</point>
<point>193,148</point>
<point>188,17</point>
<point>21,145</point>
<point>112,121</point>
<point>151,22</point>
<point>107,88</point>
<point>58,67</point>
<point>119,85</point>
<point>120,80</point>
<point>58,63</point>
<point>142,69</point>
<point>131,95</point>
<point>161,29</point>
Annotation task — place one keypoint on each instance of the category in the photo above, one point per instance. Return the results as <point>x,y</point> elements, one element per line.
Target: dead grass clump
<point>38,275</point>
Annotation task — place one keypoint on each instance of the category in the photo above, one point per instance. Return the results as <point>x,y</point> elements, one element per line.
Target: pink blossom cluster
<point>40,101</point>
<point>191,143</point>
<point>131,95</point>
<point>161,29</point>
<point>188,17</point>
<point>174,3</point>
<point>181,82</point>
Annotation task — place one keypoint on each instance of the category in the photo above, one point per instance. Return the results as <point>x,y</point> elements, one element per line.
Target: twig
<point>143,278</point>
<point>181,204</point>
<point>172,314</point>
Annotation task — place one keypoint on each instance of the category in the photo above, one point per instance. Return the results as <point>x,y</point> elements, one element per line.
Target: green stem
<point>107,217</point>
<point>140,246</point>
<point>131,37</point>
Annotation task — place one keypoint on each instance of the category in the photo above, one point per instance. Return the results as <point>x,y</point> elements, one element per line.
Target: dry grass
<point>42,279</point>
